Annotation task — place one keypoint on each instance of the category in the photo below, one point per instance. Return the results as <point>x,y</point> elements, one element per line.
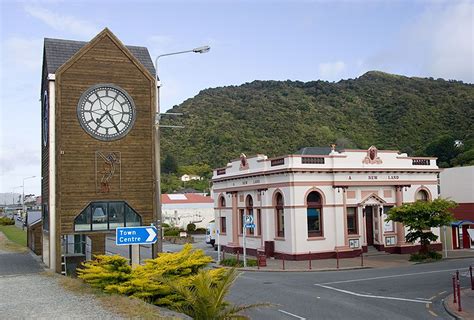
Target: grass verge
<point>6,244</point>
<point>126,307</point>
<point>14,234</point>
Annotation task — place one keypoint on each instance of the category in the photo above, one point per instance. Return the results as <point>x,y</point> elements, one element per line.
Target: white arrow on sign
<point>151,233</point>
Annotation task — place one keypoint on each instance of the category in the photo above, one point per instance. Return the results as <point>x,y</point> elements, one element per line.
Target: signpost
<point>125,236</point>
<point>248,223</point>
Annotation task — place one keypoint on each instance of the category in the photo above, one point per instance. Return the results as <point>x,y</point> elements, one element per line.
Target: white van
<point>211,233</point>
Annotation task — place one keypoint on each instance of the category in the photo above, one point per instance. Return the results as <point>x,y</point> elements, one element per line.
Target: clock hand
<point>113,121</point>
<point>100,119</point>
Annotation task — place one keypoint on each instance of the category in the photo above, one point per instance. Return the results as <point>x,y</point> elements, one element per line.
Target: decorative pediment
<point>372,157</point>
<point>372,200</point>
<point>244,164</point>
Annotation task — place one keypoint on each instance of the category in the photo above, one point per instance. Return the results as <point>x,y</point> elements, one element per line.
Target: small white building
<point>181,209</point>
<point>189,177</point>
<point>320,201</point>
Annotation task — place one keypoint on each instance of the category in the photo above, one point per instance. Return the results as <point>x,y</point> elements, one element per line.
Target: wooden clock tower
<point>98,112</point>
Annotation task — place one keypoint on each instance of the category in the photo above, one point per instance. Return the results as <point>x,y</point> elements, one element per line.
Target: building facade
<point>320,202</point>
<point>181,209</point>
<point>458,184</point>
<point>98,111</point>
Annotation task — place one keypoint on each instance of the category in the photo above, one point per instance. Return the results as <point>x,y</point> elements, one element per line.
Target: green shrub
<point>165,225</point>
<point>172,232</point>
<point>232,262</point>
<point>105,271</point>
<point>190,227</point>
<point>4,221</point>
<point>200,231</point>
<point>150,282</point>
<point>425,257</point>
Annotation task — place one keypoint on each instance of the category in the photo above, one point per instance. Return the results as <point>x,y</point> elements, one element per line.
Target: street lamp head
<point>202,49</point>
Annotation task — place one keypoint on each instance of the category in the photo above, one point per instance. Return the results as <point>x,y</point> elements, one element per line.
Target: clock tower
<point>98,111</point>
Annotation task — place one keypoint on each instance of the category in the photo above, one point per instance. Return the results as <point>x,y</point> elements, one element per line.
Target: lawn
<point>14,234</point>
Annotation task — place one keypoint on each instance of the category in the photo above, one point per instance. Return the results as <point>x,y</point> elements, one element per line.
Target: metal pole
<point>244,244</point>
<point>459,296</point>
<point>157,219</point>
<point>445,243</point>
<point>454,289</point>
<point>310,267</point>
<point>472,283</point>
<point>218,246</point>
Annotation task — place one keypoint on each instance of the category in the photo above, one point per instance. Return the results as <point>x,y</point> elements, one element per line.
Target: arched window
<point>249,210</point>
<point>422,195</point>
<point>280,216</point>
<point>222,202</point>
<point>223,222</point>
<point>314,214</point>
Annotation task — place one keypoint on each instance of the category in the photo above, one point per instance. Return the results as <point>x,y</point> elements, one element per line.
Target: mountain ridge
<point>279,117</point>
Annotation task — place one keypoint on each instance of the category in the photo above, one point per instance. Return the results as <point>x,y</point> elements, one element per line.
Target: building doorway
<point>369,225</point>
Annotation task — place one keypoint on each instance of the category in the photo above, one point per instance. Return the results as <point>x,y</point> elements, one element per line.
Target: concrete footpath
<point>373,259</point>
<point>28,292</point>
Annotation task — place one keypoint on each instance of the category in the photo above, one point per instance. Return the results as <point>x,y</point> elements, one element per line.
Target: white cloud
<point>62,22</point>
<point>331,70</point>
<point>438,44</point>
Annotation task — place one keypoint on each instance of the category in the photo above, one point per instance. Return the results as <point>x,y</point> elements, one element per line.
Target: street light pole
<point>157,219</point>
<point>23,196</point>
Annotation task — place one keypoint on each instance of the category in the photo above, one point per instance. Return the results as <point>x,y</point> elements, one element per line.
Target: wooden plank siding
<point>103,61</point>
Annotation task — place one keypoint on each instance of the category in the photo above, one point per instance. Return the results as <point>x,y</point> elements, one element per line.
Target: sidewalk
<point>467,304</point>
<point>377,260</point>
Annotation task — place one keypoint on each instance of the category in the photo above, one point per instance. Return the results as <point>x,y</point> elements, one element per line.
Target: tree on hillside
<point>420,217</point>
<point>444,148</point>
<point>169,164</point>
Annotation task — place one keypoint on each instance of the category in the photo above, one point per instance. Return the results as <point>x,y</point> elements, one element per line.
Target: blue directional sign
<point>250,225</point>
<point>135,235</point>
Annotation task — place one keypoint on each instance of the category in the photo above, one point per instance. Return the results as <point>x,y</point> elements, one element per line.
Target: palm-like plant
<point>204,298</point>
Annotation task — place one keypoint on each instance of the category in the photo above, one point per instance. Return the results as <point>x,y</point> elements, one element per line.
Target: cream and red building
<point>458,184</point>
<point>320,201</point>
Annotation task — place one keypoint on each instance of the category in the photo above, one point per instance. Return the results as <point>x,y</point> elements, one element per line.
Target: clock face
<point>106,112</point>
<point>45,117</point>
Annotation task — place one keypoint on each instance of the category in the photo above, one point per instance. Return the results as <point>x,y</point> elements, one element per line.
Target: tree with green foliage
<point>420,217</point>
<point>204,297</point>
<point>169,164</point>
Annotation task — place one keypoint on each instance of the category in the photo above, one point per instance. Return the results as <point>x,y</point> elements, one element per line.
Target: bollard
<point>454,289</point>
<point>283,262</point>
<point>459,296</point>
<point>258,261</point>
<point>362,259</point>
<point>337,259</point>
<point>310,267</point>
<point>237,257</point>
<point>472,283</point>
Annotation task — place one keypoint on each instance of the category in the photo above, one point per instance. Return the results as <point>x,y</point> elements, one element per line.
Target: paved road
<point>410,292</point>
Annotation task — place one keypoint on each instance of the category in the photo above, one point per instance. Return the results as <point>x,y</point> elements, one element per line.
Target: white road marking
<point>371,296</point>
<point>387,277</point>
<point>291,314</point>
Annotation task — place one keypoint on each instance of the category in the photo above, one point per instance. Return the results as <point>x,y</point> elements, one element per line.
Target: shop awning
<point>461,222</point>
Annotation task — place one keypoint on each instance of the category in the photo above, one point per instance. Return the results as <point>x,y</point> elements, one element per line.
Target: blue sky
<point>250,40</point>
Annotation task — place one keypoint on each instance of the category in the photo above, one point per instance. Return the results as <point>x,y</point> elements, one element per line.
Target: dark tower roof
<point>59,51</point>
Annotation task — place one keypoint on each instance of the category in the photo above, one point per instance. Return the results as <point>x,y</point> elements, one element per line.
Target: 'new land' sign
<point>135,235</point>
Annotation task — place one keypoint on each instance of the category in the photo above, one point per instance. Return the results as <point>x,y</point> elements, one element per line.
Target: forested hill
<point>414,115</point>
